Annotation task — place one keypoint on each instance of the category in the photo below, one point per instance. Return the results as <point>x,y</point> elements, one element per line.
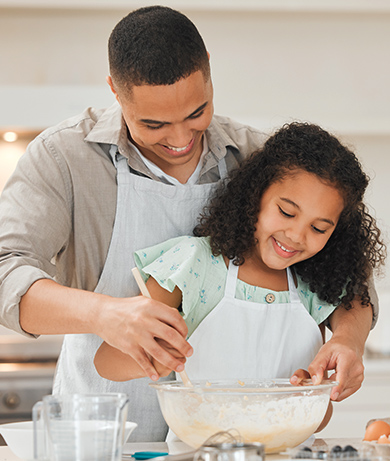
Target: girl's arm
<point>113,364</point>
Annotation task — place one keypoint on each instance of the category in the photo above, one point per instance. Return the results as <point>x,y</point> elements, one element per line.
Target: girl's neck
<point>254,272</point>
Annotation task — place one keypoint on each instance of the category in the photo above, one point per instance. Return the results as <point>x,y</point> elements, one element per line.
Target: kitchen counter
<point>180,447</point>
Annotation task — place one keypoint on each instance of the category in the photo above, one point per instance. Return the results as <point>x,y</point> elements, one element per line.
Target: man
<point>98,186</point>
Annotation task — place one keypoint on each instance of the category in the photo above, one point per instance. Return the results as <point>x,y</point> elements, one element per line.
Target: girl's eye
<point>320,231</point>
<point>285,214</point>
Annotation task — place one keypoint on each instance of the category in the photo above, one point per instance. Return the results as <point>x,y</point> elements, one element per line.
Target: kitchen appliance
<point>231,452</point>
<point>27,367</point>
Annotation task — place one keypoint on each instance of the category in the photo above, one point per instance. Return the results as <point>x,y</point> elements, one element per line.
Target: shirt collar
<point>218,141</point>
<point>110,127</point>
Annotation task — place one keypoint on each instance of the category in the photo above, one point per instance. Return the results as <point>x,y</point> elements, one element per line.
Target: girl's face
<point>297,216</point>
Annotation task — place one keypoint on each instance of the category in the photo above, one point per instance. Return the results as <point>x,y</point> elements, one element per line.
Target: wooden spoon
<point>145,292</point>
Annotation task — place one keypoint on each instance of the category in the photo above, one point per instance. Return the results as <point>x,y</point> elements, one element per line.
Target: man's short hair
<point>155,46</point>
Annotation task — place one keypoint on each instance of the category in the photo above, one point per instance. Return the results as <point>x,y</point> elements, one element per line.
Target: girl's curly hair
<point>354,248</point>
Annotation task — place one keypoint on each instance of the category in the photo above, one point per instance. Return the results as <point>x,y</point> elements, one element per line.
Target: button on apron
<point>270,298</point>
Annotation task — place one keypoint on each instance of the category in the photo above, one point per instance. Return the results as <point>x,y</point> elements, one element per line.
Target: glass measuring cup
<point>79,427</point>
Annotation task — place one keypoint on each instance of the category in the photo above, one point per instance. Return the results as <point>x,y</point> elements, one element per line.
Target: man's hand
<point>149,331</point>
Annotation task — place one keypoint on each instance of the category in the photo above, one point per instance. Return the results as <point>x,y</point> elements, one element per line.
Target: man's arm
<point>343,353</point>
<point>128,324</point>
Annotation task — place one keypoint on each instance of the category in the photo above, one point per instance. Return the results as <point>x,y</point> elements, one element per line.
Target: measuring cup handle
<point>39,433</point>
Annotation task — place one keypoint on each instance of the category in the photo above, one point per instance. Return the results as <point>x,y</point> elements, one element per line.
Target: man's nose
<point>179,136</point>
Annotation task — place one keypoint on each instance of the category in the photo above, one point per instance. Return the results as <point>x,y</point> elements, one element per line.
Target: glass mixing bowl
<point>272,412</point>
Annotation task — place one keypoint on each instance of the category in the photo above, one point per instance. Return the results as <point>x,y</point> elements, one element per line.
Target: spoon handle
<point>145,292</point>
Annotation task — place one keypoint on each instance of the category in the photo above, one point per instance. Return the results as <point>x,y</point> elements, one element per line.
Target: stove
<point>27,368</point>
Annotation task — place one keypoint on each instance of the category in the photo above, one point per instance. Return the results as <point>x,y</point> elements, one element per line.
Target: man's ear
<point>111,85</point>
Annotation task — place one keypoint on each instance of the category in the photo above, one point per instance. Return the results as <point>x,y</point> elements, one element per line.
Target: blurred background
<point>273,61</point>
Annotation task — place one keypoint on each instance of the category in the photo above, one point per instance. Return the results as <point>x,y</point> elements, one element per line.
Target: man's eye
<point>197,115</point>
<point>285,214</point>
<point>154,127</point>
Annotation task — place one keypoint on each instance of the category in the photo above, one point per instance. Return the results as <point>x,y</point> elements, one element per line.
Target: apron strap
<point>118,159</point>
<point>113,152</point>
<point>222,168</point>
<point>294,297</point>
<point>231,280</point>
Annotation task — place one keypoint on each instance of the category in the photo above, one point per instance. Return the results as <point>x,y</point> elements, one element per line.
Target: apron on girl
<point>148,212</point>
<point>242,340</point>
<point>247,340</point>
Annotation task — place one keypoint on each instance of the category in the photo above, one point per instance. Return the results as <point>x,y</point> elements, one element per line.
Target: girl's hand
<point>296,379</point>
<point>343,353</point>
<point>299,376</point>
<point>161,369</point>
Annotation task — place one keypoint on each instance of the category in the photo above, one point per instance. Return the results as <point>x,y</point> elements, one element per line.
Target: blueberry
<point>304,453</point>
<point>349,452</point>
<point>335,452</point>
<point>349,448</point>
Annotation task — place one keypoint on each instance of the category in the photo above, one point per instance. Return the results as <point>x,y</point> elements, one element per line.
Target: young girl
<point>285,241</point>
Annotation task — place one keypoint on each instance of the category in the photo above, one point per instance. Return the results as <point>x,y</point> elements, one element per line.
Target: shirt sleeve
<point>34,227</point>
<point>186,262</point>
<point>318,309</point>
<point>374,300</point>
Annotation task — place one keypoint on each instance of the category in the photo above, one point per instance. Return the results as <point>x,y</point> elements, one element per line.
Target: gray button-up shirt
<point>58,208</point>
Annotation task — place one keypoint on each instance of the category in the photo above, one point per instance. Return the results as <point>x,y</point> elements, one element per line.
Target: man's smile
<point>179,150</point>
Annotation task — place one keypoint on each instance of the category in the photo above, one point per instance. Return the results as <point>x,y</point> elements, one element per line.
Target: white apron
<point>243,340</point>
<point>148,212</point>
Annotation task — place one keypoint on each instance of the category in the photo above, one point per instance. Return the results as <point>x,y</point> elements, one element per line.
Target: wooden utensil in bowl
<point>145,292</point>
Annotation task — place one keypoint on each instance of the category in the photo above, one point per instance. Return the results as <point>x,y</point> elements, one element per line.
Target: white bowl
<point>272,412</point>
<point>20,437</point>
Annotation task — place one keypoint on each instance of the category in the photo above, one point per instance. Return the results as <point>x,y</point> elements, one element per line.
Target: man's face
<point>167,122</point>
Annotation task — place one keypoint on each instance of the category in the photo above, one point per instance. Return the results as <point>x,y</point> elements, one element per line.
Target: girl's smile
<point>283,250</point>
<point>298,214</point>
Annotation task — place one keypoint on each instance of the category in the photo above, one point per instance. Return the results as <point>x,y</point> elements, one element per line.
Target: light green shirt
<point>188,263</point>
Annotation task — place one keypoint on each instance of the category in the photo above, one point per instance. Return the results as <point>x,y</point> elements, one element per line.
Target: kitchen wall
<point>325,61</point>
<point>272,61</point>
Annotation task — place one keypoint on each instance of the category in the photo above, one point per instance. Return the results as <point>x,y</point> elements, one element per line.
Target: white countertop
<point>180,447</point>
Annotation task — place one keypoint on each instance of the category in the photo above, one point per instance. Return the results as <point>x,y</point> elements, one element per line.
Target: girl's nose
<point>296,234</point>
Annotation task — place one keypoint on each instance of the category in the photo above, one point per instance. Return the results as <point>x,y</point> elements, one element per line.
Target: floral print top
<point>187,262</point>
